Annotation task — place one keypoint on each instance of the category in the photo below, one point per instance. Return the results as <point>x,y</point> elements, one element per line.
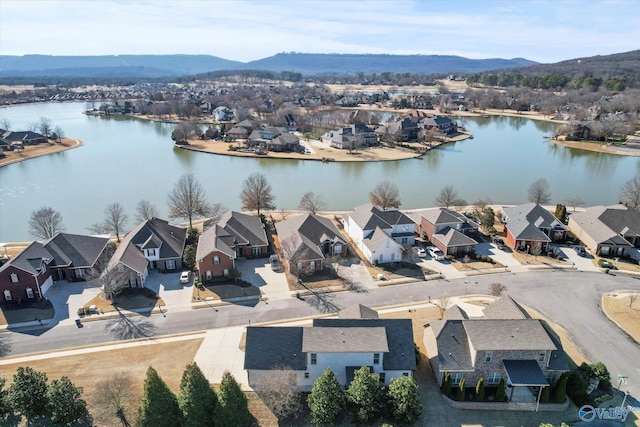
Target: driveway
<point>258,272</point>
<point>500,255</point>
<point>168,286</point>
<point>354,271</point>
<point>443,267</point>
<point>68,297</point>
<point>581,263</point>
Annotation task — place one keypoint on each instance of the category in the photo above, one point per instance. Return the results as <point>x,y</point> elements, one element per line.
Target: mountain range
<point>304,63</point>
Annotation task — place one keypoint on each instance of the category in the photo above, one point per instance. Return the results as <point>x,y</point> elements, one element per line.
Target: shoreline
<point>33,151</point>
<point>596,147</point>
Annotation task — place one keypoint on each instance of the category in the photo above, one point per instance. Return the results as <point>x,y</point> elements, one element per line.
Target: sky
<point>241,30</point>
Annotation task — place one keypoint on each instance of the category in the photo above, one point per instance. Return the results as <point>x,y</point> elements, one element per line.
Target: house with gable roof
<point>234,235</point>
<point>307,240</point>
<point>608,230</point>
<point>532,227</point>
<point>350,137</point>
<point>505,343</point>
<point>380,233</point>
<point>153,244</point>
<point>357,338</point>
<point>447,229</point>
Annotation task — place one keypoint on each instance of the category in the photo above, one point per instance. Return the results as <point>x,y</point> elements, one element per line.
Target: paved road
<point>570,298</point>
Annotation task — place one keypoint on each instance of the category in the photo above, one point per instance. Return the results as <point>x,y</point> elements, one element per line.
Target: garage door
<point>46,285</point>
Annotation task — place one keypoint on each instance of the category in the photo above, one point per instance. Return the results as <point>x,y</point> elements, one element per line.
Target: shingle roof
<point>215,239</point>
<point>377,239</point>
<point>453,347</point>
<point>358,311</point>
<point>606,224</point>
<point>524,222</point>
<point>76,250</point>
<point>268,347</point>
<point>247,228</point>
<point>308,232</point>
<point>348,339</point>
<point>451,237</point>
<point>503,334</point>
<point>505,308</point>
<point>455,313</point>
<point>368,217</point>
<point>30,259</point>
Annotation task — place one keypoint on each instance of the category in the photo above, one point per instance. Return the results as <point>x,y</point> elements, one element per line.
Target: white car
<point>435,253</point>
<point>185,277</point>
<point>420,251</point>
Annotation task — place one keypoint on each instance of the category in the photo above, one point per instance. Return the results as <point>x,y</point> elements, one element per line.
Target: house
<point>234,235</point>
<point>344,345</point>
<point>307,240</point>
<point>445,125</point>
<point>405,129</point>
<point>65,256</point>
<point>274,139</point>
<point>607,230</point>
<point>348,138</point>
<point>531,227</point>
<point>447,229</point>
<point>13,138</point>
<point>223,114</point>
<point>503,344</point>
<point>243,129</point>
<point>153,244</point>
<point>380,234</point>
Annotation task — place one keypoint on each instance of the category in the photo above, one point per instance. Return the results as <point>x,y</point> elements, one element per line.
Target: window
<point>29,293</point>
<point>208,275</point>
<point>216,260</point>
<point>376,358</point>
<point>14,277</point>
<point>255,251</point>
<point>171,264</point>
<point>488,356</point>
<point>120,268</point>
<point>225,272</point>
<point>383,377</point>
<point>132,282</point>
<point>404,241</point>
<point>80,273</point>
<point>542,356</point>
<point>393,256</point>
<point>494,377</point>
<point>314,358</point>
<point>337,248</point>
<point>456,377</point>
<point>405,374</point>
<point>312,265</point>
<point>7,295</point>
<point>549,376</point>
<point>306,374</point>
<point>299,266</point>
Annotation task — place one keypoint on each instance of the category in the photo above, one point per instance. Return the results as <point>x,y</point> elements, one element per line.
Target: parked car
<point>580,250</point>
<point>420,251</point>
<point>185,277</point>
<point>498,242</point>
<point>435,253</point>
<point>275,262</point>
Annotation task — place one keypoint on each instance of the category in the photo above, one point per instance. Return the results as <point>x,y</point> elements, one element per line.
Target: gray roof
<point>377,239</point>
<point>75,250</point>
<point>358,311</point>
<point>455,313</point>
<point>215,239</point>
<point>232,229</point>
<point>345,340</point>
<point>451,237</point>
<point>368,217</point>
<point>308,232</point>
<point>30,259</point>
<point>606,224</point>
<point>443,216</point>
<point>401,354</point>
<point>453,346</point>
<point>268,347</point>
<point>505,308</point>
<point>503,334</point>
<point>525,221</point>
<point>524,373</point>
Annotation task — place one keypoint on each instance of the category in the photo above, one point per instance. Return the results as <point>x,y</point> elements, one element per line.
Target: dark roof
<point>245,228</point>
<point>308,232</point>
<point>505,334</point>
<point>505,308</point>
<point>525,221</point>
<point>350,339</point>
<point>451,237</point>
<point>268,347</point>
<point>358,311</point>
<point>30,259</point>
<point>401,355</point>
<point>453,347</point>
<point>368,217</point>
<point>605,224</point>
<point>524,373</point>
<point>76,250</point>
<point>168,238</point>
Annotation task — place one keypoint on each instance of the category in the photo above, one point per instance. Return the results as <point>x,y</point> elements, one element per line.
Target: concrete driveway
<point>175,295</point>
<point>68,297</point>
<point>443,267</point>
<point>258,272</point>
<point>500,255</point>
<point>581,263</point>
<point>355,272</point>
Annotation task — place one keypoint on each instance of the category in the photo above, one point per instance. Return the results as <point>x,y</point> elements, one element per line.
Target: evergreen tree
<point>326,399</point>
<point>461,391</point>
<point>197,399</point>
<point>233,402</point>
<point>544,396</point>
<point>5,404</point>
<point>404,400</point>
<point>480,389</point>
<point>65,404</point>
<point>500,392</point>
<point>560,392</point>
<point>28,393</point>
<point>159,406</point>
<point>446,384</point>
<point>366,395</point>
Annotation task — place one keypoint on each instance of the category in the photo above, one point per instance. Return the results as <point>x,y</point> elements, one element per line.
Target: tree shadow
<point>5,345</point>
<point>126,328</point>
<point>357,288</point>
<point>323,302</point>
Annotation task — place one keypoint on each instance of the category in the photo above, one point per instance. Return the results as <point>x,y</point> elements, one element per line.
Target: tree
<point>575,202</point>
<point>115,218</point>
<point>145,210</point>
<point>59,133</point>
<point>539,192</point>
<point>487,219</point>
<point>404,400</point>
<point>561,213</point>
<point>44,126</point>
<point>312,203</point>
<point>448,197</point>
<point>159,406</point>
<point>188,199</point>
<point>366,395</point>
<point>112,397</point>
<point>385,195</point>
<point>28,393</point>
<point>480,389</point>
<point>197,399</point>
<point>500,391</point>
<point>5,404</point>
<point>278,389</point>
<point>327,399</point>
<point>5,123</point>
<point>631,193</point>
<point>446,384</point>
<point>189,257</point>
<point>461,391</point>
<point>233,402</point>
<point>45,223</point>
<point>442,303</point>
<point>65,405</point>
<point>545,395</point>
<point>560,392</point>
<point>256,193</point>
<point>497,289</point>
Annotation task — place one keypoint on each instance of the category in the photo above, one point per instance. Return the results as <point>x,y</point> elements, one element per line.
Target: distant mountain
<point>180,65</point>
<point>315,63</point>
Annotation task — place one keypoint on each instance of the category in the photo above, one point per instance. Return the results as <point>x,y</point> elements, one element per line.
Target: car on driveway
<point>580,250</point>
<point>435,253</point>
<point>274,260</point>
<point>185,277</point>
<point>498,242</point>
<point>420,251</point>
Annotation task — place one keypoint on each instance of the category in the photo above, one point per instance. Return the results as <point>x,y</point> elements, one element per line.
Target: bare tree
<point>632,299</point>
<point>448,197</point>
<point>312,203</point>
<point>5,123</point>
<point>45,223</point>
<point>98,228</point>
<point>112,399</point>
<point>256,193</point>
<point>58,133</point>
<point>283,214</point>
<point>386,195</point>
<point>278,389</point>
<point>145,210</point>
<point>480,204</point>
<point>442,303</point>
<point>115,218</point>
<point>185,130</point>
<point>630,194</point>
<point>188,199</point>
<point>44,126</point>
<point>575,202</point>
<point>539,192</point>
<point>497,289</point>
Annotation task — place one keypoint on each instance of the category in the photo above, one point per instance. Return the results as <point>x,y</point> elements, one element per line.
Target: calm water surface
<point>127,160</point>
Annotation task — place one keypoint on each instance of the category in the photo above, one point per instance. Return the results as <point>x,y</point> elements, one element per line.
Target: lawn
<point>26,312</point>
<point>624,311</point>
<point>128,299</point>
<point>224,291</point>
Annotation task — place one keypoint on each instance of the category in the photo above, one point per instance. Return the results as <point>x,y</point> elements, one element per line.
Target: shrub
<point>500,391</point>
<point>560,392</point>
<point>600,370</point>
<point>460,392</point>
<point>480,390</point>
<point>446,384</point>
<point>544,396</point>
<point>478,257</point>
<point>449,257</point>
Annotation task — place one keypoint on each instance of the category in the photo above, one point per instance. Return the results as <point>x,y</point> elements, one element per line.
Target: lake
<point>128,160</point>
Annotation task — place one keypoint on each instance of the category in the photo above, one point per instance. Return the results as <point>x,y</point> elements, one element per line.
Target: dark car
<point>580,250</point>
<point>498,242</point>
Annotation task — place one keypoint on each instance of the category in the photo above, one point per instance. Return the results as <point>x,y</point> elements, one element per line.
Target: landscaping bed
<point>222,291</point>
<point>128,299</point>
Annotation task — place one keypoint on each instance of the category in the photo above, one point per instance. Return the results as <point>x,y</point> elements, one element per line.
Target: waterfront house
<point>445,125</point>
<point>530,227</point>
<point>447,229</point>
<point>274,139</point>
<point>351,137</point>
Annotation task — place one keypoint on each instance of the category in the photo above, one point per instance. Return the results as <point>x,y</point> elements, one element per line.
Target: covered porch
<point>525,381</point>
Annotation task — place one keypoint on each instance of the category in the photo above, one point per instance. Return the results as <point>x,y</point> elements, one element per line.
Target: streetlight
<point>623,379</point>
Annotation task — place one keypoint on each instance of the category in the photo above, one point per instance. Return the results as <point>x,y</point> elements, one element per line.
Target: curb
<point>612,320</point>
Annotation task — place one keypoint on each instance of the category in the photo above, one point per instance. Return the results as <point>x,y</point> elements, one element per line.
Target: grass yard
<point>223,291</point>
<point>128,299</point>
<point>625,312</point>
<point>26,312</point>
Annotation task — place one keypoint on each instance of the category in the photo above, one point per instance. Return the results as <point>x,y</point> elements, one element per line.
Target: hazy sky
<point>543,31</point>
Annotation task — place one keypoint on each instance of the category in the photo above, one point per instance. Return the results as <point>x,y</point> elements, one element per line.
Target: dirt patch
<point>26,312</point>
<point>530,259</point>
<point>223,291</point>
<point>474,265</point>
<point>624,309</point>
<point>129,299</point>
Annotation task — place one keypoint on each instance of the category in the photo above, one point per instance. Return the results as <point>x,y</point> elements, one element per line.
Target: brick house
<point>447,230</point>
<point>531,227</point>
